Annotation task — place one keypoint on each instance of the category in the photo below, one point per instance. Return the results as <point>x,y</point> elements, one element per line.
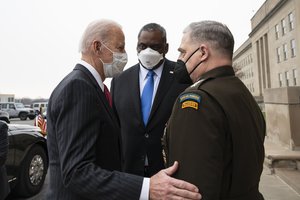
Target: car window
<point>11,106</point>
<point>19,105</point>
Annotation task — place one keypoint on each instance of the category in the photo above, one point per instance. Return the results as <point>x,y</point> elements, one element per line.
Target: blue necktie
<point>147,96</point>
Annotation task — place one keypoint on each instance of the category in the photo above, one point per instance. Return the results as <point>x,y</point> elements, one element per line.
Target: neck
<point>209,65</point>
<point>218,63</point>
<point>93,62</point>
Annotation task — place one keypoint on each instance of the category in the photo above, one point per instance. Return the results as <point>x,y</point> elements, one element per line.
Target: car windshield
<point>19,105</point>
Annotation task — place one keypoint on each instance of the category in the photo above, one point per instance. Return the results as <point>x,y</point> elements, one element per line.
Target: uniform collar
<point>221,71</point>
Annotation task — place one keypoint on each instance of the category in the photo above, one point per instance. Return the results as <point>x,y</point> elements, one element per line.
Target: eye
<point>156,47</point>
<point>142,46</point>
<point>181,54</point>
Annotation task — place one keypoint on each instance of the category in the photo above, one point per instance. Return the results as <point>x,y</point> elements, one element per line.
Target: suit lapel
<point>166,80</point>
<point>98,89</point>
<point>135,92</point>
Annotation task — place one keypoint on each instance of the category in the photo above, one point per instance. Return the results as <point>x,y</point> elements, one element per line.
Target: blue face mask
<point>116,66</point>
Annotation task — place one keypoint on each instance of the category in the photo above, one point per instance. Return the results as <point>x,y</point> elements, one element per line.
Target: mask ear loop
<point>106,47</point>
<point>190,57</point>
<point>195,67</point>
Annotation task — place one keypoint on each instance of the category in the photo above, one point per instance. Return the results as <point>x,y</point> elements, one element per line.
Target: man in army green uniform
<point>216,130</point>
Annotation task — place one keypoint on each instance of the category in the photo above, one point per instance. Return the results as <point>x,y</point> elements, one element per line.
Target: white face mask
<point>149,57</point>
<point>116,66</point>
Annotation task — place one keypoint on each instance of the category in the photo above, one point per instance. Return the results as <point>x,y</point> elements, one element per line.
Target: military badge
<point>190,100</point>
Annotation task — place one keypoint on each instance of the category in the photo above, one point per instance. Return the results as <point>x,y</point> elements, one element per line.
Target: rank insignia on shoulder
<point>190,100</point>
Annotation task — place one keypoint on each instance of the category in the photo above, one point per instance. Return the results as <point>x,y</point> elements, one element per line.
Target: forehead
<point>186,42</point>
<point>117,36</point>
<point>154,36</point>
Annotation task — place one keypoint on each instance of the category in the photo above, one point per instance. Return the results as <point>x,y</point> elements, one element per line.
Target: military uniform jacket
<point>216,132</point>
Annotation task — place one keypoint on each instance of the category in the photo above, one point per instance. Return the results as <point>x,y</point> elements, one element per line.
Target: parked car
<point>17,110</point>
<point>4,116</point>
<point>39,107</point>
<point>27,160</point>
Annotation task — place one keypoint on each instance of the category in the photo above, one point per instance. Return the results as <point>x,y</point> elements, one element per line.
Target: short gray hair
<point>154,27</point>
<point>97,30</point>
<point>215,33</point>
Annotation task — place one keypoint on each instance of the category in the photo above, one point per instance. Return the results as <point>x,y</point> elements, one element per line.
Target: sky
<point>39,39</point>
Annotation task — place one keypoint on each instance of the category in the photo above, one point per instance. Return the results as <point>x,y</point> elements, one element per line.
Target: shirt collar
<point>157,71</point>
<point>94,72</point>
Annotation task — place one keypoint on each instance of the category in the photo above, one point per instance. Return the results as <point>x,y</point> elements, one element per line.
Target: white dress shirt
<point>143,79</point>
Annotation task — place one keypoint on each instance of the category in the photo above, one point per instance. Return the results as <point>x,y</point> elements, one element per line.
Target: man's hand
<point>162,186</point>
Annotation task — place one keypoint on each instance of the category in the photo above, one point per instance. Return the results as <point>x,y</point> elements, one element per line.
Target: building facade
<point>268,59</point>
<point>7,98</point>
<point>269,65</point>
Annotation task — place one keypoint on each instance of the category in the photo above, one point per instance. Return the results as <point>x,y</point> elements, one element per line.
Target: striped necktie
<point>107,95</point>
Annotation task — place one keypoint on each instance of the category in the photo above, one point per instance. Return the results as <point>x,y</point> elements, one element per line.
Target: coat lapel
<point>166,80</point>
<point>98,89</point>
<point>135,92</point>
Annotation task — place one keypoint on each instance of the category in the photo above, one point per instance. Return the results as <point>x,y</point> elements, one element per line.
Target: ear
<point>166,49</point>
<point>96,46</point>
<point>204,51</point>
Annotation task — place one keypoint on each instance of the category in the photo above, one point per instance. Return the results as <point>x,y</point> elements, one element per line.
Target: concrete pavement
<point>280,179</point>
<point>274,188</point>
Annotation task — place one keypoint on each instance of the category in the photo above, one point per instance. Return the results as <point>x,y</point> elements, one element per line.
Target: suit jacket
<point>4,186</point>
<point>216,133</point>
<point>139,140</point>
<point>84,143</point>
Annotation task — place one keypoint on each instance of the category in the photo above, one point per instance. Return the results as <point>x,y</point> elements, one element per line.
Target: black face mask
<point>180,71</point>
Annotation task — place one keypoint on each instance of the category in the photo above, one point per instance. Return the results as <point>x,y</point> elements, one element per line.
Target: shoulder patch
<point>190,100</point>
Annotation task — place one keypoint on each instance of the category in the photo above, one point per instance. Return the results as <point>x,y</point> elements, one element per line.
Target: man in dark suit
<point>4,186</point>
<point>216,130</point>
<point>84,141</point>
<point>142,140</point>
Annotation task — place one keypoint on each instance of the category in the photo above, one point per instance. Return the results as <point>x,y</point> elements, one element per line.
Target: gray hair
<point>97,30</point>
<point>214,33</point>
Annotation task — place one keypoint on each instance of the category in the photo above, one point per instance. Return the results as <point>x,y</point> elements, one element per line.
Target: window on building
<point>293,48</point>
<point>278,54</point>
<point>283,27</point>
<point>285,49</point>
<point>287,83</point>
<point>276,31</point>
<point>280,79</point>
<point>295,76</point>
<point>10,99</point>
<point>291,21</point>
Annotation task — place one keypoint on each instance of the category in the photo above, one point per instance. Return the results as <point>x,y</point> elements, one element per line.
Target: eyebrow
<point>181,50</point>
